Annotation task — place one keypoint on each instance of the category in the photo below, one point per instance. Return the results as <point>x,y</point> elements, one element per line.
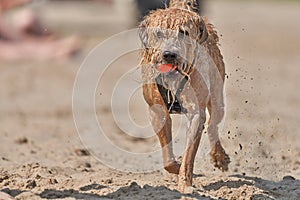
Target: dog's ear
<point>203,31</point>
<point>142,31</point>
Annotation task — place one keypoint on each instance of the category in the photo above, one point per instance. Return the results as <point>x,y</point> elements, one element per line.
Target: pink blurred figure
<point>30,39</point>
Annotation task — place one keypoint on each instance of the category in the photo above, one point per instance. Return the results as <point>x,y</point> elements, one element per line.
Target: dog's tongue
<point>164,68</point>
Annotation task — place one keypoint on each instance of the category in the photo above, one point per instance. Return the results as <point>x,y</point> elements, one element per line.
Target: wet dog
<point>183,73</point>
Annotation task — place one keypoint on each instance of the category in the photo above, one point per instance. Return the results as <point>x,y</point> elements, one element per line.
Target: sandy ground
<point>42,157</point>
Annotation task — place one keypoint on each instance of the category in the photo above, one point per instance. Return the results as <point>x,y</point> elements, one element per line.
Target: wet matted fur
<point>178,36</point>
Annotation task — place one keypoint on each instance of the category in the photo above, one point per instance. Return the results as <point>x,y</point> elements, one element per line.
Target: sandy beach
<point>42,155</point>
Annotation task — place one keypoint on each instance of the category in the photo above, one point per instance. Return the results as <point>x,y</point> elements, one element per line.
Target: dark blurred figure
<point>145,6</point>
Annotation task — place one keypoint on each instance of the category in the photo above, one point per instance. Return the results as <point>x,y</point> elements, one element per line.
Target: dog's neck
<point>190,5</point>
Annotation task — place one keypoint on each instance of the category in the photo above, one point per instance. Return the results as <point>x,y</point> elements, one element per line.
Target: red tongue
<point>164,68</point>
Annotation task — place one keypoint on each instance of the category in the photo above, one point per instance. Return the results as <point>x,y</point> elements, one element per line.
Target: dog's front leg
<point>194,132</point>
<point>196,119</point>
<point>162,124</point>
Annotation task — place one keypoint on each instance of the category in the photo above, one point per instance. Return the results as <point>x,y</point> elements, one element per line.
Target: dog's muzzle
<point>169,57</point>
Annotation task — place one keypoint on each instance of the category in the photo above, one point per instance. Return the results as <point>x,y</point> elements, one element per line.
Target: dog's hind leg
<point>219,158</point>
<point>162,124</point>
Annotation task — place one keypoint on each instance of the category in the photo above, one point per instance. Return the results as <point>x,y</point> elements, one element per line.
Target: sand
<point>42,156</point>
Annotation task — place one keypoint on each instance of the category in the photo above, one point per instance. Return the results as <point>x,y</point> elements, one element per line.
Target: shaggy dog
<point>183,73</point>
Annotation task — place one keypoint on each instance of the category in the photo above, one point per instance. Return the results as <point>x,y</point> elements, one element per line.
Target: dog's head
<point>171,37</point>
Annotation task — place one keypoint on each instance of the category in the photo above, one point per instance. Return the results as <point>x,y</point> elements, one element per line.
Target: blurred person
<point>29,39</point>
<point>105,1</point>
<point>7,4</point>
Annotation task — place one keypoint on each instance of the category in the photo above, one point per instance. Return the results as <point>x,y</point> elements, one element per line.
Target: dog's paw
<point>219,158</point>
<point>187,189</point>
<point>172,167</point>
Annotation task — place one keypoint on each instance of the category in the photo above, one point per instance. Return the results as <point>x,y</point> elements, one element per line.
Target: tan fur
<point>203,64</point>
<point>190,5</point>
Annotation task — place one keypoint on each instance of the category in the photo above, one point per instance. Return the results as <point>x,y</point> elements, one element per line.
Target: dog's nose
<point>169,56</point>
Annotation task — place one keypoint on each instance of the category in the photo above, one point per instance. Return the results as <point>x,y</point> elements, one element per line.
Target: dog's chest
<point>170,87</point>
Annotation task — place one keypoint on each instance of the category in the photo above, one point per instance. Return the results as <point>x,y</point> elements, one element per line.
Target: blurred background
<point>43,43</point>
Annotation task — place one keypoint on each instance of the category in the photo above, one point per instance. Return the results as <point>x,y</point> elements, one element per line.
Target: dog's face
<point>171,36</point>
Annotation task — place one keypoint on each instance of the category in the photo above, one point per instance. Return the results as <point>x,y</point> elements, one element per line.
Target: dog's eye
<point>159,34</point>
<point>182,33</point>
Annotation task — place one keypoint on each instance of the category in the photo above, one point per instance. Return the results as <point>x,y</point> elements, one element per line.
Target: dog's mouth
<point>167,68</point>
<point>172,68</point>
